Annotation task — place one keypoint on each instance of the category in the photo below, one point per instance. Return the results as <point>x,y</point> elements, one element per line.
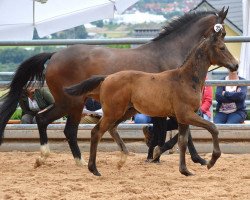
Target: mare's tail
<point>86,86</point>
<point>30,70</point>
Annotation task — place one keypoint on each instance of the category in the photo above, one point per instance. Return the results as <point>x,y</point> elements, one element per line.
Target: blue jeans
<point>142,119</point>
<point>231,118</point>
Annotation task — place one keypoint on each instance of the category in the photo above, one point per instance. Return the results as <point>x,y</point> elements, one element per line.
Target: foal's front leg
<point>195,120</point>
<point>182,143</point>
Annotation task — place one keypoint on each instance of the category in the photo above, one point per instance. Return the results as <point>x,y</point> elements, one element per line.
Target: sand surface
<point>61,179</point>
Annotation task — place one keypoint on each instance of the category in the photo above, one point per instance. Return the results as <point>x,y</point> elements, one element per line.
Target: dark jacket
<point>229,97</point>
<point>92,105</point>
<point>43,98</point>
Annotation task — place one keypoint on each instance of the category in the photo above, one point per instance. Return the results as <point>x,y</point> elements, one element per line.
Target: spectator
<point>32,101</point>
<point>92,112</point>
<point>142,119</point>
<point>231,107</point>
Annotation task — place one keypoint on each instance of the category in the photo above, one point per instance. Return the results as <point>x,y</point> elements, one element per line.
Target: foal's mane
<point>195,50</point>
<point>181,21</point>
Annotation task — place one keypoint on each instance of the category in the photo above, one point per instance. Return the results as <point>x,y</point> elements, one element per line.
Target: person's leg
<point>234,118</point>
<point>142,119</point>
<point>220,118</point>
<point>27,119</point>
<point>206,117</point>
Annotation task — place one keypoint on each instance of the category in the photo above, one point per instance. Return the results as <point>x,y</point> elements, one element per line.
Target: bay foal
<point>175,93</point>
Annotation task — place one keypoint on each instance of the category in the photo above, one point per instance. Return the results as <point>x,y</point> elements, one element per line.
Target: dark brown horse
<point>175,93</point>
<point>79,62</point>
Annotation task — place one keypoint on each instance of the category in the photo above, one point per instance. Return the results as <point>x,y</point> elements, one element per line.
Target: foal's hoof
<point>157,153</point>
<point>210,164</point>
<point>94,171</point>
<point>199,160</point>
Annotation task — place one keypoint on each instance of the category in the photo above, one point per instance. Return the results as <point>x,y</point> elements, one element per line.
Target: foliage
<point>10,58</point>
<point>17,114</point>
<point>120,46</point>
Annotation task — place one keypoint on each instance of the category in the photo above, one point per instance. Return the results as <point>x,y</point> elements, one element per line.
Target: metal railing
<point>229,39</point>
<point>122,126</point>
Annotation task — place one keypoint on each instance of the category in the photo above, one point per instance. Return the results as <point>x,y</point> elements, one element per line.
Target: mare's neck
<point>171,51</point>
<point>196,68</point>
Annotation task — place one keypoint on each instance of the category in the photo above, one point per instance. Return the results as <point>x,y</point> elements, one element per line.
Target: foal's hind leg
<point>124,151</point>
<point>115,135</point>
<point>96,134</point>
<point>194,155</point>
<point>43,119</point>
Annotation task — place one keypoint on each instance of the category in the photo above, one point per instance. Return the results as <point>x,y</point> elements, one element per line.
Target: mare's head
<point>218,52</point>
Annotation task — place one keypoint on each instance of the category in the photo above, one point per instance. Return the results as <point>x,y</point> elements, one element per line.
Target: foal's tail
<point>86,86</point>
<point>30,70</point>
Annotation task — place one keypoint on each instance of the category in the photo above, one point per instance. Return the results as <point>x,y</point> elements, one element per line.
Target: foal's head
<point>218,52</point>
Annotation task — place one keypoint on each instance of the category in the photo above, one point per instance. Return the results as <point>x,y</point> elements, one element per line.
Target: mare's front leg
<point>182,143</point>
<point>70,131</point>
<point>43,119</point>
<point>195,120</point>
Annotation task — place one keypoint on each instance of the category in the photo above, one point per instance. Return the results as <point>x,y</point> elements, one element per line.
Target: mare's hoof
<point>186,172</point>
<point>96,173</point>
<point>157,160</point>
<point>199,160</point>
<point>80,162</point>
<point>157,153</point>
<point>39,162</point>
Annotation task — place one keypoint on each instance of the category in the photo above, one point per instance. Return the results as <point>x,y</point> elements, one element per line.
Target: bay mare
<point>174,93</point>
<point>79,62</point>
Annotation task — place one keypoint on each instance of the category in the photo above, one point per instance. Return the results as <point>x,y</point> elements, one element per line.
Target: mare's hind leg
<point>159,136</point>
<point>182,143</point>
<point>70,132</point>
<point>43,119</point>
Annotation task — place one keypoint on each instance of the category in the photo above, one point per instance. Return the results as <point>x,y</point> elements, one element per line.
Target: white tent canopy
<point>18,18</point>
<point>244,69</point>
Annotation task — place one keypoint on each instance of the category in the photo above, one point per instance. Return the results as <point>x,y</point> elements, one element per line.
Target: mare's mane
<point>179,22</point>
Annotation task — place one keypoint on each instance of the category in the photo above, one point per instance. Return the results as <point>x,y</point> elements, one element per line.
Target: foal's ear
<point>223,14</point>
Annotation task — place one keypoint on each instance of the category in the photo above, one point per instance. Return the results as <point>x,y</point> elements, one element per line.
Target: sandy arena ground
<point>61,179</point>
